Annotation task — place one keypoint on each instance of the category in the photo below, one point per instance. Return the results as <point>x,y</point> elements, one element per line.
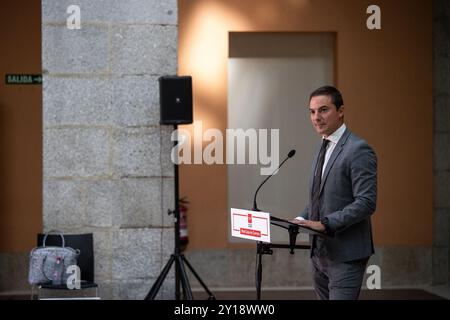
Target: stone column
<point>441,66</point>
<point>107,167</point>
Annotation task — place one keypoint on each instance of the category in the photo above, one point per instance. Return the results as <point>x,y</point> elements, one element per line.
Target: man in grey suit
<point>342,199</point>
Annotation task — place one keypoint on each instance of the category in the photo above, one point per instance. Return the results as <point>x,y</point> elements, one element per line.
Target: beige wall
<point>20,127</point>
<point>385,77</point>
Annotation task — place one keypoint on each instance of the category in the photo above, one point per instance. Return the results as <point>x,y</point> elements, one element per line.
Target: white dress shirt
<point>334,139</point>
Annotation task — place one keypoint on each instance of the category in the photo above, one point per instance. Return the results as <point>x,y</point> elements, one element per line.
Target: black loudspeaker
<point>175,94</point>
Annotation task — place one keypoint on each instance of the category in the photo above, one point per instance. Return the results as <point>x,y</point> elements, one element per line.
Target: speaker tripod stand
<point>178,258</point>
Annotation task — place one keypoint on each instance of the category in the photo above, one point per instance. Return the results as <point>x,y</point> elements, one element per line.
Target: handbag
<point>48,264</point>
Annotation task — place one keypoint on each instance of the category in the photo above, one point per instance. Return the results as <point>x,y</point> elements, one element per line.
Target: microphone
<point>290,155</point>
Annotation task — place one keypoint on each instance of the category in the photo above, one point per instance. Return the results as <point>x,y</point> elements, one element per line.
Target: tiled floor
<point>442,291</point>
<point>385,294</point>
<point>429,293</point>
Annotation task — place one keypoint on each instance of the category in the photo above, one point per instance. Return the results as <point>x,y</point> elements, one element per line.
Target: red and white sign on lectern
<point>253,225</point>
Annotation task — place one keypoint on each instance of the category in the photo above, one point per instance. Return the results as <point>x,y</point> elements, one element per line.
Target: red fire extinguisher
<point>183,223</point>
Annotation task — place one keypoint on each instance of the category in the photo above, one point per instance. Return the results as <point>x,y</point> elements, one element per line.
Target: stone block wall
<point>107,167</point>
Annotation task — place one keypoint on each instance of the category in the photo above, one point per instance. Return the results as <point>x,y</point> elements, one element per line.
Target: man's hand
<point>315,225</point>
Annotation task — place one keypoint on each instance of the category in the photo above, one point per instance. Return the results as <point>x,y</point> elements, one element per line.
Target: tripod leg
<point>157,285</point>
<point>211,296</point>
<point>177,280</point>
<point>184,279</point>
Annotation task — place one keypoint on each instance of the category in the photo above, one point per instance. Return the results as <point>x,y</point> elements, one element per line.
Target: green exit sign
<point>23,79</point>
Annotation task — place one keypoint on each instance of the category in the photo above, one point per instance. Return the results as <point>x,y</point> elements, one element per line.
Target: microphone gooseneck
<point>290,155</point>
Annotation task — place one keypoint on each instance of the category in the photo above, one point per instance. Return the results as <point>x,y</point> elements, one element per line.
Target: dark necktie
<point>316,182</point>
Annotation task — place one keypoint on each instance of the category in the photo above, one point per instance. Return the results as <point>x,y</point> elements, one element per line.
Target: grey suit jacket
<point>348,199</point>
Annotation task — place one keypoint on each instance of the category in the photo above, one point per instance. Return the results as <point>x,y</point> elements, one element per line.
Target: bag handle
<point>54,231</point>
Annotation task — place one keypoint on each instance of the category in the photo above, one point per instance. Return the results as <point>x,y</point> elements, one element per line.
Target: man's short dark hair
<point>330,91</point>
